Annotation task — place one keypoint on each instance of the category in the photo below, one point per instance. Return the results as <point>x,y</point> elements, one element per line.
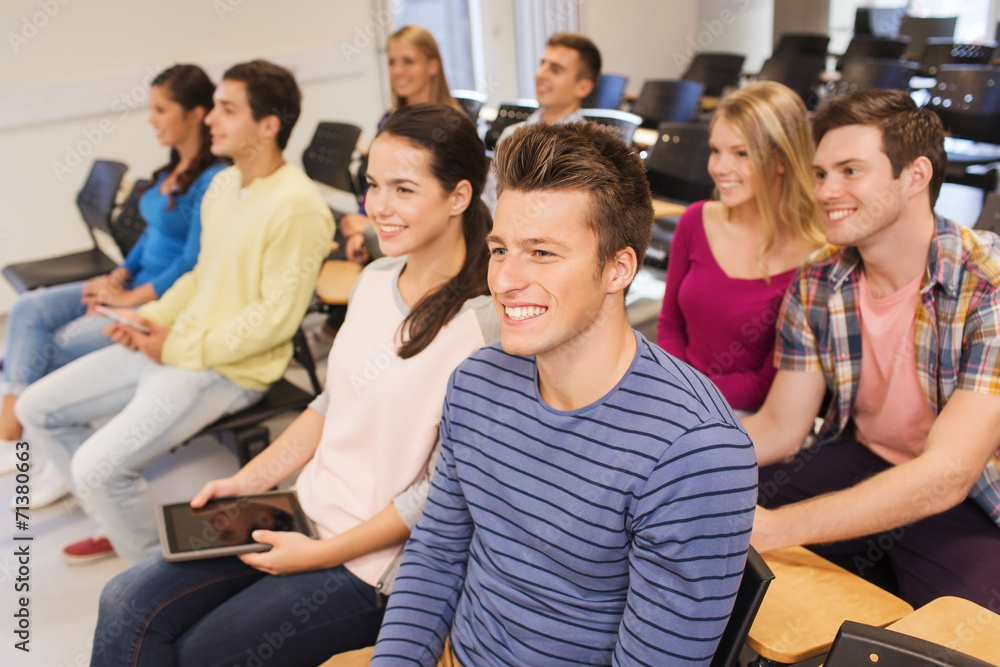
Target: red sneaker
<point>89,550</point>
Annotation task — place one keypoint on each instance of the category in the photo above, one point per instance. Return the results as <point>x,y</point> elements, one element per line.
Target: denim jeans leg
<point>34,318</point>
<point>157,406</point>
<point>298,620</point>
<point>58,409</point>
<point>147,607</point>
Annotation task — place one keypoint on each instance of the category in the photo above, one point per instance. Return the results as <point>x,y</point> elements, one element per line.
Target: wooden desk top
<point>709,102</point>
<point>807,602</point>
<point>336,279</point>
<point>665,209</point>
<point>957,624</point>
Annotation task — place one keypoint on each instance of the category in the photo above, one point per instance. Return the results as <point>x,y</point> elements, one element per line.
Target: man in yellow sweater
<point>213,343</point>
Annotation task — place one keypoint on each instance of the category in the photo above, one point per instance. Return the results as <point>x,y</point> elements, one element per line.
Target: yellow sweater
<point>261,251</point>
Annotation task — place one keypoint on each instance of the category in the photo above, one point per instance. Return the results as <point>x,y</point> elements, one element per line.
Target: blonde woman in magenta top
<point>732,259</point>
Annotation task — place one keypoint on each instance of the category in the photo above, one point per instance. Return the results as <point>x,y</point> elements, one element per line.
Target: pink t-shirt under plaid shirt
<point>890,410</point>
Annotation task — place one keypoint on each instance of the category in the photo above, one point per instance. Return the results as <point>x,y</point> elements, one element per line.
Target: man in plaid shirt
<point>898,324</point>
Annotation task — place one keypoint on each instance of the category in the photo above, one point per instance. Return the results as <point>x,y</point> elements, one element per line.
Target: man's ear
<point>270,126</point>
<point>583,88</point>
<point>919,173</point>
<point>621,270</point>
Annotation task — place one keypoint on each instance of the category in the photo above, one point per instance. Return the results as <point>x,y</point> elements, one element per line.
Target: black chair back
<point>989,217</point>
<point>800,73</point>
<point>622,123</point>
<point>96,200</point>
<point>662,100</point>
<point>471,101</point>
<point>677,164</point>
<point>508,114</point>
<point>757,577</point>
<point>801,44</point>
<point>860,644</point>
<point>717,71</point>
<point>920,29</point>
<point>869,46</point>
<point>967,99</point>
<point>873,73</point>
<point>944,51</point>
<point>878,21</point>
<point>327,158</point>
<point>128,225</point>
<point>607,93</point>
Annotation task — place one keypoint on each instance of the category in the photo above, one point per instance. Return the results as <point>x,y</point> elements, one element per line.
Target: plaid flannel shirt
<point>956,337</point>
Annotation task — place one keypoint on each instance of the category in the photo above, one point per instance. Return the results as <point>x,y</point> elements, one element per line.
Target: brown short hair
<point>271,91</point>
<point>908,131</point>
<point>590,57</point>
<point>582,156</point>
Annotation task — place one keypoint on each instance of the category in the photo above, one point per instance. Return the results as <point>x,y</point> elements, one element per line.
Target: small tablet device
<point>112,315</point>
<point>224,525</point>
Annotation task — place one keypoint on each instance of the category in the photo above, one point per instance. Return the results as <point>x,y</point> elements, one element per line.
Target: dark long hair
<point>457,154</point>
<point>189,86</point>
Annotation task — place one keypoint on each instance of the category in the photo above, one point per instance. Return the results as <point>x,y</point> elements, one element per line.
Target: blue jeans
<point>155,408</point>
<point>219,611</point>
<point>48,328</point>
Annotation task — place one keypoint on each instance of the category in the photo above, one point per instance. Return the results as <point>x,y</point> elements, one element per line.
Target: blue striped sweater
<point>611,534</point>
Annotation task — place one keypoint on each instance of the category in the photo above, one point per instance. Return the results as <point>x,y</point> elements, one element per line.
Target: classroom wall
<point>74,75</point>
<point>643,39</point>
<point>652,39</point>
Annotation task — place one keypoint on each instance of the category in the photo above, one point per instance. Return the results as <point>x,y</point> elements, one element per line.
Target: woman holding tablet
<point>50,327</point>
<point>731,259</point>
<point>366,443</point>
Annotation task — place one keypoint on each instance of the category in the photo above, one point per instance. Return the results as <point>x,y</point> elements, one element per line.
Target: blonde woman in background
<point>732,259</point>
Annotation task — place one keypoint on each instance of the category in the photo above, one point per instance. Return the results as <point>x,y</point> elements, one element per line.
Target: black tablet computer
<point>224,525</point>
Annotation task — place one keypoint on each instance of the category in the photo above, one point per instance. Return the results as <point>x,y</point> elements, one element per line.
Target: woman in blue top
<point>50,327</point>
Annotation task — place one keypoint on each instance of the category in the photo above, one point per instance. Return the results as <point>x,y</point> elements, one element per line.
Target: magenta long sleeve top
<point>722,326</point>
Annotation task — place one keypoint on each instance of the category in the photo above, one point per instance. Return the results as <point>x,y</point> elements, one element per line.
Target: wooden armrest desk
<point>666,209</point>
<point>957,624</point>
<point>807,602</point>
<point>336,280</point>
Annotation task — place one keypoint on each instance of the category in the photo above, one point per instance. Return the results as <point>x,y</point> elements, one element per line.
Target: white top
<point>381,423</point>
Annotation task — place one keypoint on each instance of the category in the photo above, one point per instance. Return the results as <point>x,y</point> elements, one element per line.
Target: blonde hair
<point>773,123</point>
<point>424,42</point>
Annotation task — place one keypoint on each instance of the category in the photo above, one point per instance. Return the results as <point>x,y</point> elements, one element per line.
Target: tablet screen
<point>227,524</point>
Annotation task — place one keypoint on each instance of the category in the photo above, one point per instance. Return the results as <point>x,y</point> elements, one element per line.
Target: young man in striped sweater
<point>594,496</point>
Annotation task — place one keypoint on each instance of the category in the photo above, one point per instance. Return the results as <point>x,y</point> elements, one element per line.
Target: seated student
<point>219,337</point>
<point>568,73</point>
<point>570,67</point>
<point>412,317</point>
<point>898,319</point>
<point>48,328</point>
<point>416,75</point>
<point>594,496</point>
<point>731,260</point>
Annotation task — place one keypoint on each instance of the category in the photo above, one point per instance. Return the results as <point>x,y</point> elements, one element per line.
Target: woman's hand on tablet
<point>217,488</point>
<point>290,553</point>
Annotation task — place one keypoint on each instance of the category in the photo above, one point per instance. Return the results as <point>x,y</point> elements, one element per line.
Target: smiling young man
<point>568,72</point>
<point>217,339</point>
<point>594,496</point>
<point>898,320</point>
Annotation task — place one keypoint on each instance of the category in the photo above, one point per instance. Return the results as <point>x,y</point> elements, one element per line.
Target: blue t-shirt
<point>169,247</point>
<point>612,534</point>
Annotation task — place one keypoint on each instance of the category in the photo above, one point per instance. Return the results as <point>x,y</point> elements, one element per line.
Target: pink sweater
<point>722,326</point>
